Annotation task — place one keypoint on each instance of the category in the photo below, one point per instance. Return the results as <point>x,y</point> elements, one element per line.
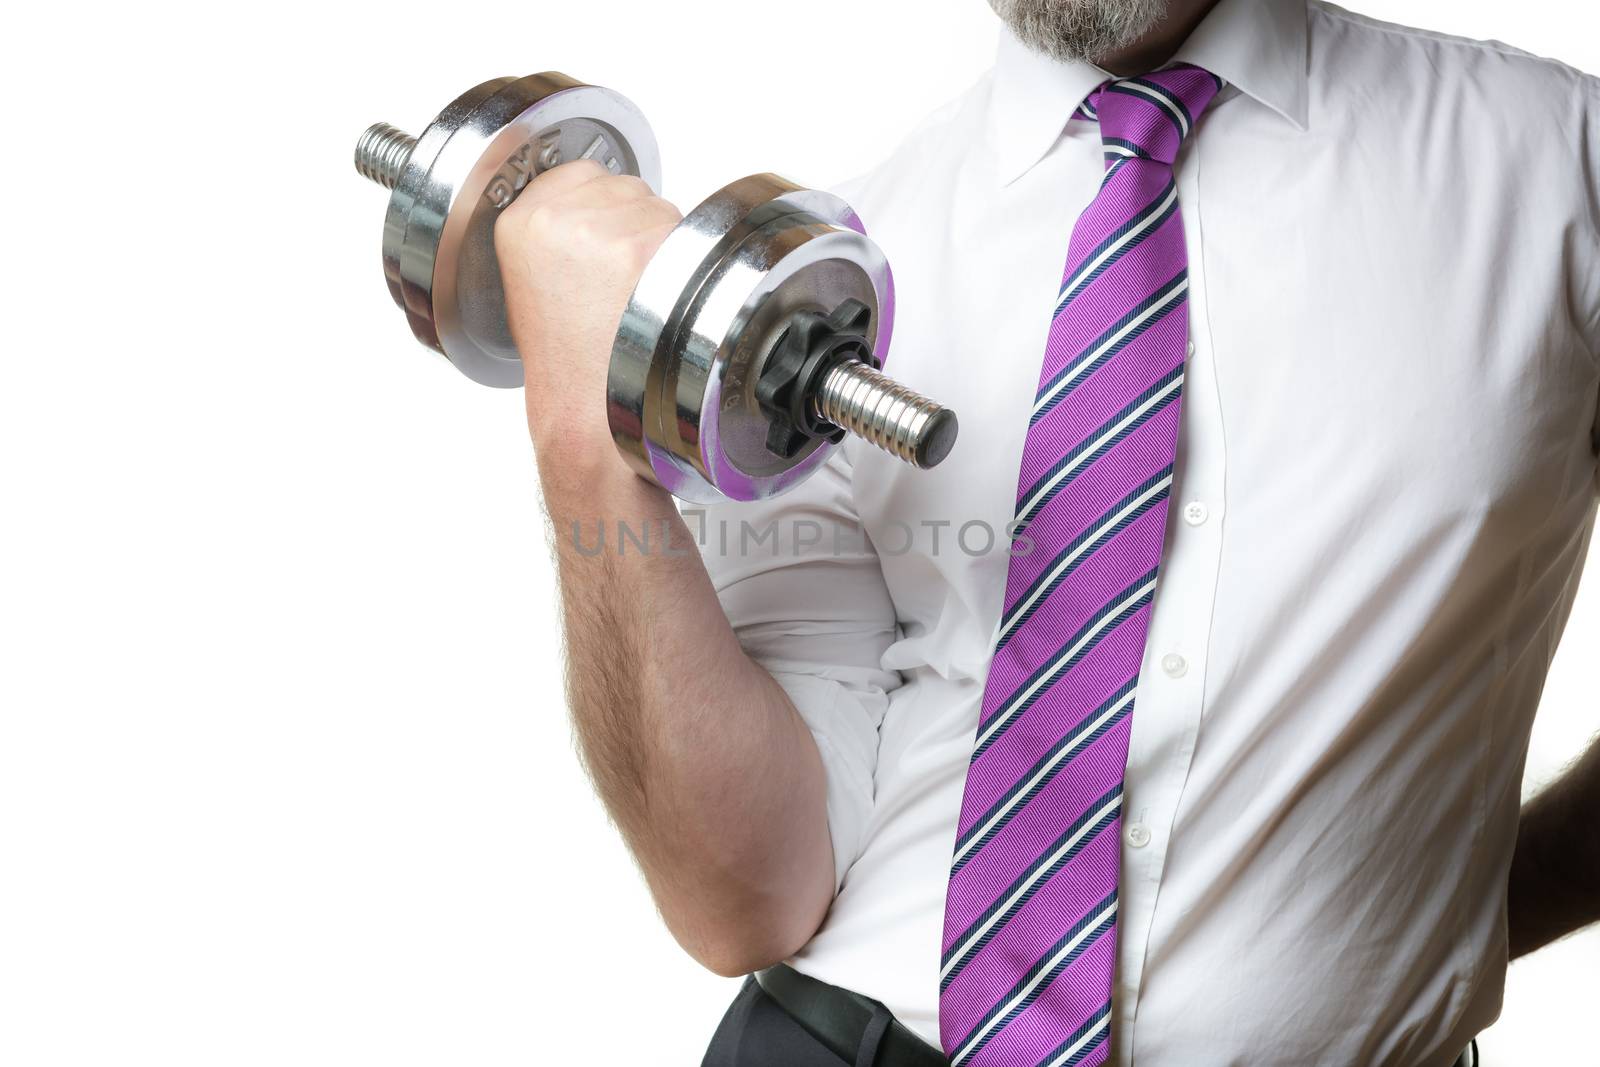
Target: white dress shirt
<point>1384,490</point>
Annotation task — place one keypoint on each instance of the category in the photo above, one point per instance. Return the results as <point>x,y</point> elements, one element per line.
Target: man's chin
<point>1080,30</point>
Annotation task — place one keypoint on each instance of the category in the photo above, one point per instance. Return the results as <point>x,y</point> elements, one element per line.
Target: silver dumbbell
<point>751,343</point>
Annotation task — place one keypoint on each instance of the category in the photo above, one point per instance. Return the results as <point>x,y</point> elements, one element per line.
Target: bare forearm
<point>1555,871</point>
<point>703,762</point>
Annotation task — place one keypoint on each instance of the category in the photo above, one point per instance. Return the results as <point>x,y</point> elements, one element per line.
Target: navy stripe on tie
<point>1037,593</point>
<point>1100,929</point>
<point>1096,1021</point>
<point>1175,108</point>
<point>1163,301</point>
<point>1172,97</point>
<point>1147,221</point>
<point>1032,781</point>
<point>1071,458</point>
<point>1065,659</point>
<point>1120,142</point>
<point>1038,874</point>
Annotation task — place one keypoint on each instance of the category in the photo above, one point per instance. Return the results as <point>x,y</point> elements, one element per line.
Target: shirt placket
<point>1170,700</point>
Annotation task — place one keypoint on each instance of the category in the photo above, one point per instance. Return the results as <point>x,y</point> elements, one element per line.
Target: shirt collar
<point>1259,46</point>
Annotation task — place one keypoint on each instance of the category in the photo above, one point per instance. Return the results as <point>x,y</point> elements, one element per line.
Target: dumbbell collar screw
<point>811,346</point>
<point>822,381</point>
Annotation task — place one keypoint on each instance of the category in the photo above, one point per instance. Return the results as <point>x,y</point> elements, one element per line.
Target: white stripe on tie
<point>1022,695</point>
<point>1073,1049</point>
<point>1089,927</point>
<point>1087,359</point>
<point>965,946</point>
<point>1066,750</point>
<point>1011,621</point>
<point>1123,242</point>
<point>1177,116</point>
<point>1083,457</point>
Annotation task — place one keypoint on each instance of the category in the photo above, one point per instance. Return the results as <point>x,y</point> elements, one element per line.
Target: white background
<point>285,775</point>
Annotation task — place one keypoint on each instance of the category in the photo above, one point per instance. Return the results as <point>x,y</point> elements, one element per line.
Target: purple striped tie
<point>1030,919</point>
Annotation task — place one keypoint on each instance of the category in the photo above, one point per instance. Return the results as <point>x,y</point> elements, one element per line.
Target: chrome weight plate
<point>706,314</point>
<point>471,161</point>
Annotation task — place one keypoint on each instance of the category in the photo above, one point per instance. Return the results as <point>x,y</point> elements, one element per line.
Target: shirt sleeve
<point>802,586</point>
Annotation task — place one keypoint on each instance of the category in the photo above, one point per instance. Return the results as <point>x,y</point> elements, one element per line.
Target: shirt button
<point>1138,835</point>
<point>1195,512</point>
<point>1191,348</point>
<point>1174,664</point>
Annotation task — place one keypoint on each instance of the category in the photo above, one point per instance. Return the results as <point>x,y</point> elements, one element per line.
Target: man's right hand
<point>571,249</point>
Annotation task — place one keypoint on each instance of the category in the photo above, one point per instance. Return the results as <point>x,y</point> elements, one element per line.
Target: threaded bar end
<point>877,409</point>
<point>381,153</point>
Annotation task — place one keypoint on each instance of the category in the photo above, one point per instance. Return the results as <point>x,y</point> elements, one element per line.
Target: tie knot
<point>1148,117</point>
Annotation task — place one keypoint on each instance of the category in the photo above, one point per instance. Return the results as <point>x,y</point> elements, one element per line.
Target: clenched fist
<point>571,249</point>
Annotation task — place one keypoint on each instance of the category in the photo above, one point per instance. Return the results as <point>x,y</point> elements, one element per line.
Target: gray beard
<point>1079,29</point>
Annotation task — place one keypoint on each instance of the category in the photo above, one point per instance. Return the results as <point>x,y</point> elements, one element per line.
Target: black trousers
<point>757,1033</point>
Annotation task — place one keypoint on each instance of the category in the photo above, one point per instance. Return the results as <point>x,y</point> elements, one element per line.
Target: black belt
<point>855,1028</point>
<point>861,1031</point>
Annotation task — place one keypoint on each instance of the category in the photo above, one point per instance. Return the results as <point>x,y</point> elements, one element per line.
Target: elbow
<point>749,909</point>
<point>735,956</point>
<point>733,945</point>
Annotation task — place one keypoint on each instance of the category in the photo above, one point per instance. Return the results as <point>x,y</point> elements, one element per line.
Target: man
<point>1363,262</point>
